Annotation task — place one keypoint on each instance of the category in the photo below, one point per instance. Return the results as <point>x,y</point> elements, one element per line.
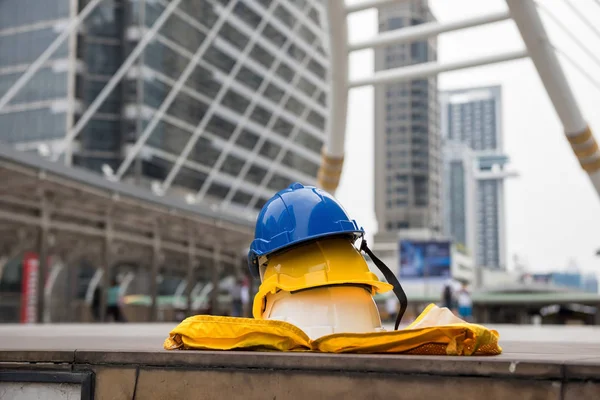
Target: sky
<point>552,210</point>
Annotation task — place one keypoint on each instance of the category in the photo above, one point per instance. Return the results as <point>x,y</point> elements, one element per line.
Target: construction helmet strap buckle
<point>391,278</point>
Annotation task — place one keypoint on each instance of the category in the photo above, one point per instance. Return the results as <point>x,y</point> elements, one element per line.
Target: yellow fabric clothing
<point>435,332</point>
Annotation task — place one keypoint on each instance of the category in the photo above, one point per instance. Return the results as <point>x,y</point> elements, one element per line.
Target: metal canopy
<point>75,203</point>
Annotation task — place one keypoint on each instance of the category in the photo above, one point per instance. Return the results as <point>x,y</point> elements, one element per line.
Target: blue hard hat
<point>295,215</point>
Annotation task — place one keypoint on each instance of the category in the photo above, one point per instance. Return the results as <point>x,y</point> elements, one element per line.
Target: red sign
<point>29,288</point>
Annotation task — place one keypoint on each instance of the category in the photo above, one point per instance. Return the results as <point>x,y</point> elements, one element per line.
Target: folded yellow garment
<point>435,332</point>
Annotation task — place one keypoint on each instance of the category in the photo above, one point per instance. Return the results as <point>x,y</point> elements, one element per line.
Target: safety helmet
<point>303,241</point>
<point>323,262</point>
<point>326,310</point>
<point>295,215</point>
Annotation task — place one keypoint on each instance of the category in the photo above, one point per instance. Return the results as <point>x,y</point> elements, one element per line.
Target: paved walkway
<point>518,341</point>
<point>128,362</point>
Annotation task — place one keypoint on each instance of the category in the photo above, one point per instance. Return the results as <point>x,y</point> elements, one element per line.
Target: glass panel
<point>273,93</point>
<point>235,101</point>
<point>165,60</point>
<point>219,59</point>
<point>32,125</point>
<point>106,20</point>
<point>284,16</point>
<point>270,150</point>
<point>274,36</point>
<point>246,14</point>
<point>247,139</point>
<point>220,127</point>
<point>297,162</point>
<point>204,152</point>
<point>93,87</point>
<point>316,120</point>
<point>23,12</point>
<point>201,80</point>
<point>294,106</point>
<point>182,33</point>
<point>100,135</point>
<point>25,47</point>
<point>260,115</point>
<point>44,85</point>
<point>232,165</point>
<point>262,56</point>
<point>217,191</point>
<point>317,69</point>
<point>249,78</point>
<point>256,174</point>
<point>309,141</point>
<point>201,11</point>
<point>242,198</point>
<point>156,168</point>
<point>282,127</point>
<point>234,36</point>
<point>278,182</point>
<point>190,179</point>
<point>169,138</point>
<point>188,109</point>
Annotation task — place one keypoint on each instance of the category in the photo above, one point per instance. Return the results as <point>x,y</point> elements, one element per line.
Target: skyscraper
<point>460,195</point>
<point>247,119</point>
<point>407,140</point>
<point>472,118</point>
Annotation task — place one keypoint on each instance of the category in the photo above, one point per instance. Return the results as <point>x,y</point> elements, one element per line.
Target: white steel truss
<point>222,91</point>
<point>134,151</point>
<point>539,49</point>
<point>368,4</point>
<point>310,102</point>
<point>275,164</point>
<point>256,67</point>
<point>248,30</point>
<point>222,112</point>
<point>262,140</point>
<point>245,118</point>
<point>302,17</point>
<point>116,78</point>
<point>425,70</point>
<point>522,12</point>
<point>426,30</point>
<point>578,132</point>
<point>50,50</point>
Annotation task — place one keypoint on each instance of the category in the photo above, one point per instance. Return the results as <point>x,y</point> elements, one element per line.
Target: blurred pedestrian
<point>391,307</point>
<point>465,304</point>
<point>448,295</point>
<point>112,302</point>
<point>236,298</point>
<point>96,303</point>
<point>245,296</point>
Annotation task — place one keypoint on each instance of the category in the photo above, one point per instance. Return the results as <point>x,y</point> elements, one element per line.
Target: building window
<point>395,23</point>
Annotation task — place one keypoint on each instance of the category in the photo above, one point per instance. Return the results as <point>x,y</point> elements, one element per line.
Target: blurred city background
<point>140,138</point>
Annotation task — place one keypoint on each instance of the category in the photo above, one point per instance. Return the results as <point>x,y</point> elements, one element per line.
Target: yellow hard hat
<point>318,263</point>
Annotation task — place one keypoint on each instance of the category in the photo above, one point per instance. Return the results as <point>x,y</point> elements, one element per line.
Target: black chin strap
<point>391,278</point>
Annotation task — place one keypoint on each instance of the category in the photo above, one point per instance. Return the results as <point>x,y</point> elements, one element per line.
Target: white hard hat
<point>326,310</point>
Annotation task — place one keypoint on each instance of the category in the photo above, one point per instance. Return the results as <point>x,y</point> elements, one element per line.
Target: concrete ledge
<point>37,356</point>
<point>391,364</point>
<point>129,363</point>
<point>340,385</point>
<point>217,375</point>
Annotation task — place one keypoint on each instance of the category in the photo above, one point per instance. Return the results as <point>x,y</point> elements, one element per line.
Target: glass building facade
<point>229,98</point>
<point>472,117</point>
<point>459,195</point>
<point>407,138</point>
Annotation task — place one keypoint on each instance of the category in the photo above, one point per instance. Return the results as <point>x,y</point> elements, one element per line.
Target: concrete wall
<point>121,375</point>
